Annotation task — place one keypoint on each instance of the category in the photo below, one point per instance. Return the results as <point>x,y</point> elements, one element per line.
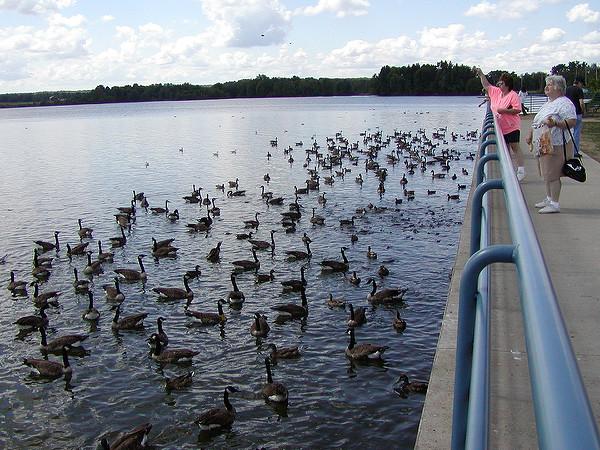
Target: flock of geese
<point>415,152</point>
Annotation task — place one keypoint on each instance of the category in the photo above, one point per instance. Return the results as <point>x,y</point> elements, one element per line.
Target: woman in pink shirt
<point>506,105</point>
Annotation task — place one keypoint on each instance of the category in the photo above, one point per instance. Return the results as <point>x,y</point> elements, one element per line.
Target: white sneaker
<point>550,209</point>
<point>543,203</point>
<point>520,173</point>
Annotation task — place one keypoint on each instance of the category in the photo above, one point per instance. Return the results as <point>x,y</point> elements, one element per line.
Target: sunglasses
<point>500,83</point>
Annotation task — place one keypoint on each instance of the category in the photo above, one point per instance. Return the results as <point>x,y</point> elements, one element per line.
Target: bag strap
<point>572,138</point>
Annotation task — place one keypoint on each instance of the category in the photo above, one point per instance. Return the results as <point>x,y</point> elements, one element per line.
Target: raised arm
<point>484,81</point>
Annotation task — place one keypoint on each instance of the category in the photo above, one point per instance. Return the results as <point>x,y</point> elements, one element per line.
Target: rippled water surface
<point>64,163</point>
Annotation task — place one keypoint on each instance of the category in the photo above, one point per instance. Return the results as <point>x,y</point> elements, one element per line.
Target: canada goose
<point>44,299</point>
<point>273,392</point>
<point>39,272</point>
<point>161,335</point>
<point>47,246</point>
<point>403,180</point>
<point>465,171</point>
<point>260,326</point>
<point>128,209</point>
<point>206,201</point>
<point>56,345</point>
<point>138,197</point>
<point>179,382</point>
<point>92,267</point>
<point>106,257</point>
<point>354,279</point>
<point>306,239</point>
<point>292,310</point>
<point>316,219</point>
<point>359,179</point>
<point>131,274</point>
<point>267,177</point>
<point>159,210</point>
<point>174,356</point>
<point>246,264</point>
<point>235,297</point>
<point>385,295</point>
<point>33,322</point>
<point>336,266</point>
<point>84,232</point>
<point>353,238</point>
<point>220,187</point>
<point>132,322</point>
<point>81,286</point>
<point>399,323</point>
<point>164,252</point>
<point>364,351</point>
<point>403,386</point>
<point>437,175</point>
<point>207,318</point>
<point>453,197</point>
<point>215,210</point>
<point>371,254</point>
<point>357,316</point>
<point>265,277</point>
<point>322,200</point>
<point>218,418</point>
<point>78,249</point>
<point>118,241</point>
<point>175,293</point>
<point>252,223</point>
<point>347,222</point>
<point>50,369</point>
<point>234,184</point>
<point>236,193</point>
<point>454,177</point>
<point>215,253</point>
<point>383,271</point>
<point>113,293</point>
<point>275,201</point>
<point>462,186</point>
<point>173,216</point>
<point>16,286</point>
<point>91,313</point>
<point>195,273</point>
<point>264,194</point>
<point>263,245</point>
<point>295,255</point>
<point>134,439</point>
<point>301,191</point>
<point>431,192</point>
<point>124,219</point>
<point>164,243</point>
<point>295,285</point>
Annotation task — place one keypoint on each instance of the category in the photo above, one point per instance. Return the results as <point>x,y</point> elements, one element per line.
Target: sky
<point>79,44</point>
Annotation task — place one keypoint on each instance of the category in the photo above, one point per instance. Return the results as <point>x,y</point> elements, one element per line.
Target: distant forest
<point>443,78</point>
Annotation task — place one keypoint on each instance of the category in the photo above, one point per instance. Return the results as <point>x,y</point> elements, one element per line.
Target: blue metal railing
<point>564,418</point>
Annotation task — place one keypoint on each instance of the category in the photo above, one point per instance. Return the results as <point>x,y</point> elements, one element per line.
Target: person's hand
<point>528,140</point>
<point>550,122</point>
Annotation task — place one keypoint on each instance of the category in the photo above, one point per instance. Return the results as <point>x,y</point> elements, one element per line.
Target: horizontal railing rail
<point>564,418</point>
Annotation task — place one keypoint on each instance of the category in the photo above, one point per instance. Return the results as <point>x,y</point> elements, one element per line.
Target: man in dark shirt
<point>575,94</point>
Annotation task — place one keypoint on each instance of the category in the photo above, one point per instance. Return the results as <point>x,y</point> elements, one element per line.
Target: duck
<point>336,266</point>
<point>252,223</point>
<point>260,326</point>
<point>29,323</point>
<point>159,210</point>
<point>215,253</point>
<point>385,295</point>
<point>47,246</point>
<point>383,271</point>
<point>403,386</point>
<point>118,241</point>
<point>246,264</point>
<point>357,316</point>
<point>235,296</point>
<point>131,274</point>
<point>207,318</point>
<point>265,277</point>
<point>106,257</point>
<point>92,267</point>
<point>283,352</point>
<point>399,323</point>
<point>171,293</point>
<point>354,279</point>
<point>219,418</point>
<point>271,391</point>
<point>51,369</point>
<point>194,273</point>
<point>364,351</point>
<point>316,219</point>
<point>134,439</point>
<point>56,345</point>
<point>132,322</point>
<point>335,302</point>
<point>113,293</point>
<point>179,382</point>
<point>91,313</point>
<point>79,249</point>
<point>292,310</point>
<point>14,285</point>
<point>263,245</point>
<point>295,285</point>
<point>371,254</point>
<point>172,356</point>
<point>84,232</point>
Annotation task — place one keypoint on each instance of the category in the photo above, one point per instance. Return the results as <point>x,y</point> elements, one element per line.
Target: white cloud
<point>482,9</point>
<point>35,6</point>
<point>107,18</point>
<point>552,35</point>
<point>504,9</point>
<point>583,12</point>
<point>592,37</point>
<point>56,20</point>
<point>341,8</point>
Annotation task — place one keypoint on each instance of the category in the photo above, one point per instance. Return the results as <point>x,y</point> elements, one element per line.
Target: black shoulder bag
<point>572,168</point>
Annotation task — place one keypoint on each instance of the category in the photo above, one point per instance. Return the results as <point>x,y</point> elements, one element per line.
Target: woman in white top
<point>553,116</point>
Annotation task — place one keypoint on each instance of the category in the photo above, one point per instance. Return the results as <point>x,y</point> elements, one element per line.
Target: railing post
<point>477,206</point>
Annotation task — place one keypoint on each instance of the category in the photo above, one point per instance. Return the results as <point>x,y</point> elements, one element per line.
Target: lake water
<point>65,163</point>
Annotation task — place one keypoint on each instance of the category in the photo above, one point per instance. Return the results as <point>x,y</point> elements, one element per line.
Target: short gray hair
<point>558,81</point>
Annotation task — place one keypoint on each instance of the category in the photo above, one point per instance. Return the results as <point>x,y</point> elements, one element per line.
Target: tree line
<point>443,78</point>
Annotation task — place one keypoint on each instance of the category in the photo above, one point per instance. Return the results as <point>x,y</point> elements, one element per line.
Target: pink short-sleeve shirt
<point>508,122</point>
